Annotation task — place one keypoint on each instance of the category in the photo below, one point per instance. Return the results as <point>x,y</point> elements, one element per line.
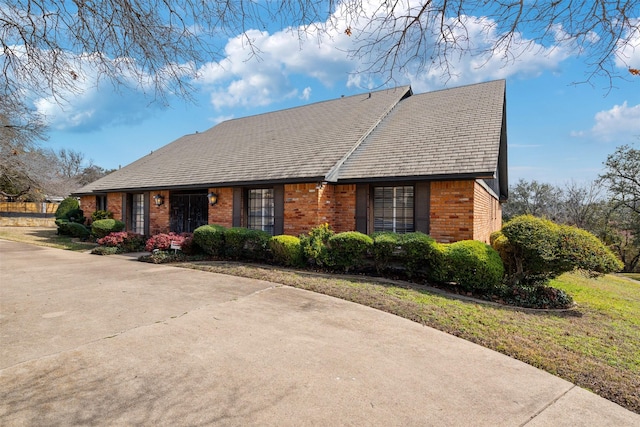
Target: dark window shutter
<point>278,208</point>
<point>362,203</point>
<point>147,216</point>
<point>422,200</point>
<point>237,207</point>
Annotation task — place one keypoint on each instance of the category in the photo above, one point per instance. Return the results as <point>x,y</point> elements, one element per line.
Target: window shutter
<point>236,220</point>
<point>362,202</point>
<point>278,208</point>
<point>422,200</point>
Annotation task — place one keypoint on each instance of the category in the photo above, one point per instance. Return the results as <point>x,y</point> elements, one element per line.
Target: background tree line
<point>31,173</point>
<point>609,207</point>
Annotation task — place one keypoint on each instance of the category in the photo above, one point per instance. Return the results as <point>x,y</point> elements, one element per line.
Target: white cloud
<point>620,123</point>
<point>95,105</point>
<point>264,75</point>
<point>628,49</point>
<point>306,93</point>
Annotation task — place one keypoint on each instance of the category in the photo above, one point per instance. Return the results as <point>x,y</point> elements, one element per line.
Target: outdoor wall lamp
<point>213,198</point>
<point>158,199</point>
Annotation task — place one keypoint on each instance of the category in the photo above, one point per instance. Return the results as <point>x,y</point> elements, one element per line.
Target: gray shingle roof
<point>447,132</point>
<point>297,143</point>
<point>388,134</point>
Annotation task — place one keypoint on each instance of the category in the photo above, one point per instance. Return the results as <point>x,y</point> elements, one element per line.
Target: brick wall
<point>88,205</point>
<point>451,217</point>
<point>487,216</point>
<point>222,212</point>
<point>301,208</point>
<point>344,213</point>
<point>114,204</point>
<point>158,215</point>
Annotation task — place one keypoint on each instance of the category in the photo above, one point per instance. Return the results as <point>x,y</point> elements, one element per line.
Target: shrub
<point>76,215</point>
<point>287,250</point>
<point>104,227</point>
<point>76,229</point>
<point>63,226</point>
<point>210,238</point>
<point>124,241</point>
<point>162,241</point>
<point>347,250</point>
<point>473,265</point>
<point>68,204</point>
<point>234,241</point>
<point>537,297</point>
<point>105,250</point>
<point>101,214</point>
<point>314,244</point>
<point>535,250</point>
<point>385,245</point>
<point>256,245</point>
<point>417,253</point>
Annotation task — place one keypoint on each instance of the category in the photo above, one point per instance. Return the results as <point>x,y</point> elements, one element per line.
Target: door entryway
<point>188,211</point>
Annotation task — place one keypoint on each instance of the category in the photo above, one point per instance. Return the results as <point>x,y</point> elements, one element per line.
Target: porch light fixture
<point>213,198</point>
<point>158,199</point>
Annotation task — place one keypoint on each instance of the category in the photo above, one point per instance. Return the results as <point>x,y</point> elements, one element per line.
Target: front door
<point>188,212</point>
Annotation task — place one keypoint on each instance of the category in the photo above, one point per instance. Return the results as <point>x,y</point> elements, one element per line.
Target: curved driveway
<point>90,340</point>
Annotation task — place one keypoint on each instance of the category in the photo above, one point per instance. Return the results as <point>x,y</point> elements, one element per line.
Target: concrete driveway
<point>90,340</point>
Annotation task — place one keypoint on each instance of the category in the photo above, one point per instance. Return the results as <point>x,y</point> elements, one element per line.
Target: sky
<point>559,131</point>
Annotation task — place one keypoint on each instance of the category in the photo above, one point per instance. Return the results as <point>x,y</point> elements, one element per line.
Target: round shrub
<point>286,250</point>
<point>210,238</point>
<point>256,245</point>
<point>76,215</point>
<point>537,297</point>
<point>101,214</point>
<point>124,241</point>
<point>63,226</point>
<point>234,241</point>
<point>103,227</point>
<point>162,241</point>
<point>473,265</point>
<point>385,245</point>
<point>348,249</point>
<point>417,253</point>
<point>68,204</point>
<point>76,229</point>
<point>535,250</point>
<point>314,244</point>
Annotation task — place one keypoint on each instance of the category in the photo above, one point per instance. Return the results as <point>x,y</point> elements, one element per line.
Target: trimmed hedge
<point>101,214</point>
<point>211,239</point>
<point>103,227</point>
<point>314,245</point>
<point>242,242</point>
<point>349,249</point>
<point>473,265</point>
<point>417,253</point>
<point>385,248</point>
<point>287,250</point>
<point>535,250</point>
<point>68,204</point>
<point>76,229</point>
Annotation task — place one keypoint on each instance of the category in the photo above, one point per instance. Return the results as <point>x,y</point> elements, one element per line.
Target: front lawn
<point>44,236</point>
<point>596,345</point>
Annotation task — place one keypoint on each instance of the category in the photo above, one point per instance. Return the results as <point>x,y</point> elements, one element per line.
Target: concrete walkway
<point>90,340</point>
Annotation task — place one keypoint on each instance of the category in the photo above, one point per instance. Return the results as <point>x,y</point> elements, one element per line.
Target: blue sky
<point>558,131</point>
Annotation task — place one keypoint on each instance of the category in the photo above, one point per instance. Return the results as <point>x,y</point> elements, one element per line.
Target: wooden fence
<point>27,214</point>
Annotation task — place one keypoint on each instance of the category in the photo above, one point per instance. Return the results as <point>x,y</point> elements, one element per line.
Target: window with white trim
<point>261,214</point>
<point>393,209</point>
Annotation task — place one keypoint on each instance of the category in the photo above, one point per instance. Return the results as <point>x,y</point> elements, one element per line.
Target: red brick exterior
<point>88,205</point>
<point>459,210</point>
<point>158,215</point>
<point>222,212</point>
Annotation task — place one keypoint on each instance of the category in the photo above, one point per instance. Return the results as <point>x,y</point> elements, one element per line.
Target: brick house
<point>386,160</point>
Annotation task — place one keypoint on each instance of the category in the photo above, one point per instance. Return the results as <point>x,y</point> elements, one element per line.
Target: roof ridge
<point>333,172</point>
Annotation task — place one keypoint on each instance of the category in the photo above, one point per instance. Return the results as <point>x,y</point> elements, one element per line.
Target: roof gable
<point>449,132</point>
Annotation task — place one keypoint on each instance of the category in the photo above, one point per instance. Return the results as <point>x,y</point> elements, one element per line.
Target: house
<point>385,160</point>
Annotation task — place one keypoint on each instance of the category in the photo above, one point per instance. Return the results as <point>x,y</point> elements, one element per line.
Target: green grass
<point>43,236</point>
<point>595,345</point>
<point>634,276</point>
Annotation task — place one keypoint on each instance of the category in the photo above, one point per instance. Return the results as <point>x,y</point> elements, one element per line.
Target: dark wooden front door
<point>188,212</point>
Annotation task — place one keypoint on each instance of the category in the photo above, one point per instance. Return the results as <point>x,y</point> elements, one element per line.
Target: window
<point>393,209</point>
<point>101,203</point>
<point>137,213</point>
<point>260,215</point>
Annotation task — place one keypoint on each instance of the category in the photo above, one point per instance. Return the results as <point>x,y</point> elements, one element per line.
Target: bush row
<point>472,265</point>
